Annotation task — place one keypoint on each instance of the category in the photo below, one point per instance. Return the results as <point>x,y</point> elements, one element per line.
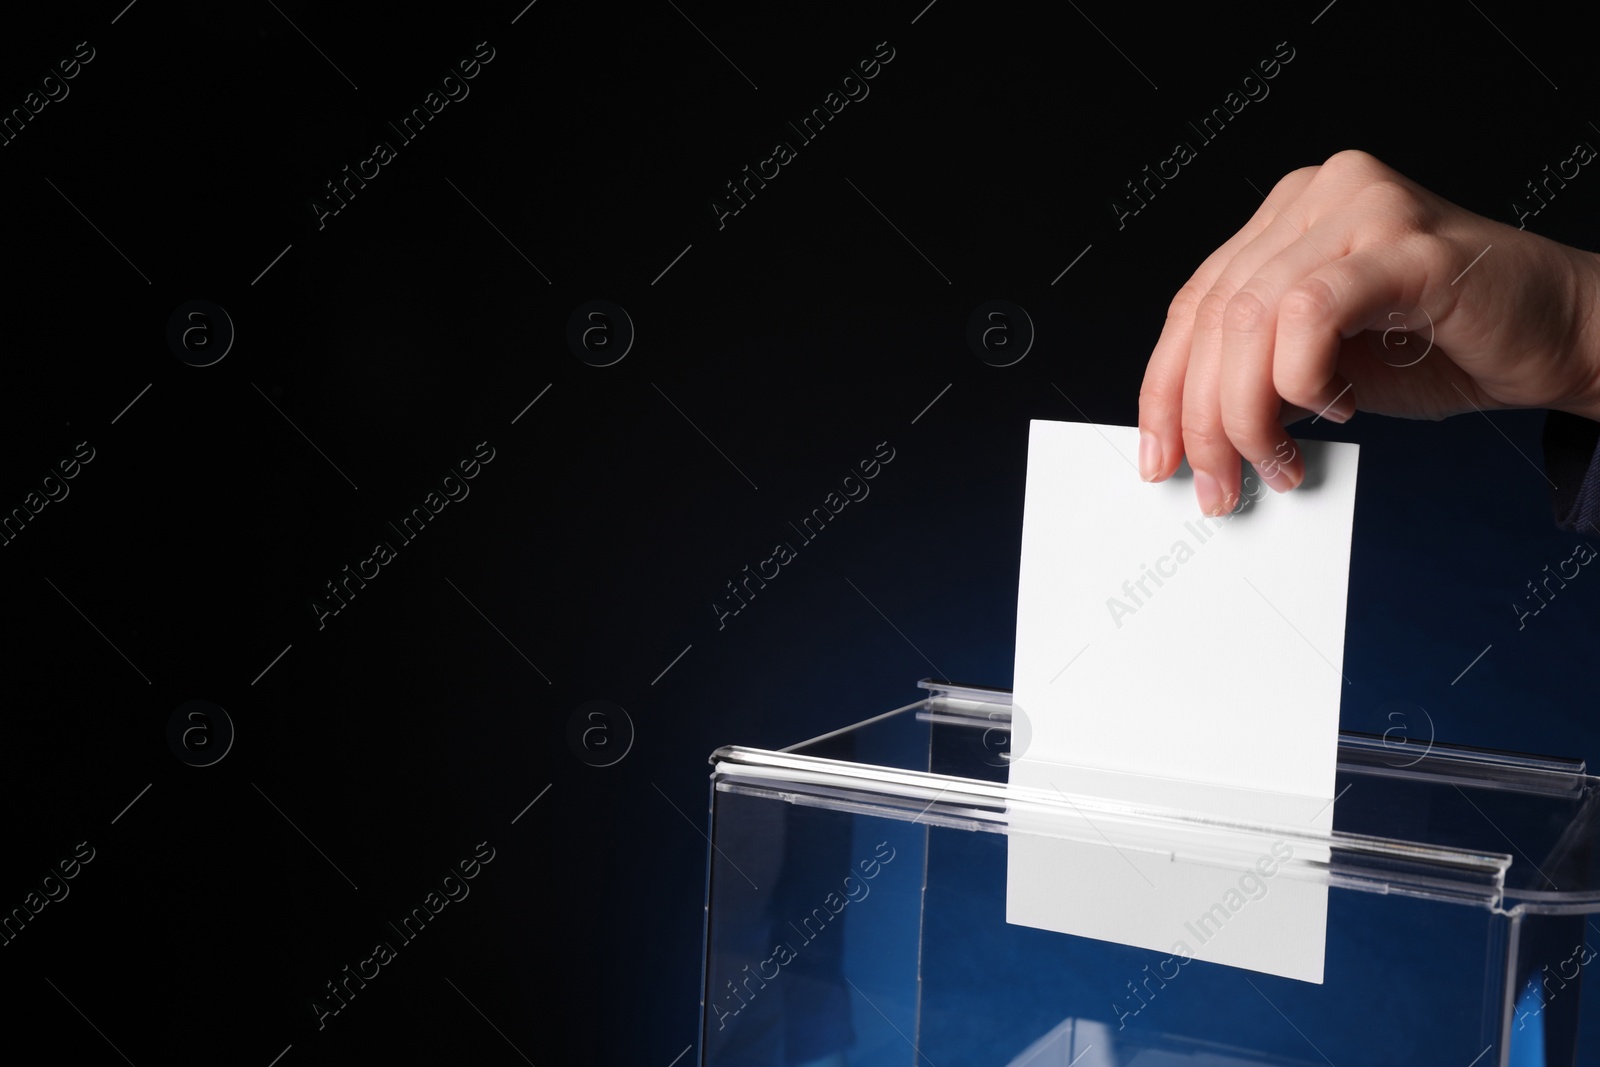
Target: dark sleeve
<point>1573,465</point>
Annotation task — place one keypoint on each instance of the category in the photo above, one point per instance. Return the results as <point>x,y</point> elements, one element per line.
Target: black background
<point>821,320</point>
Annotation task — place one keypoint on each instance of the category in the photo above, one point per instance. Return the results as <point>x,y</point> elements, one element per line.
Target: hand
<point>1352,286</point>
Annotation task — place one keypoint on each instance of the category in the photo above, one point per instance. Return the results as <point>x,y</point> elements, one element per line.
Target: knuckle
<point>1186,302</point>
<point>1438,256</point>
<point>1353,161</point>
<point>1243,431</point>
<point>1393,203</point>
<point>1290,185</point>
<point>1202,434</point>
<point>1295,382</point>
<point>1158,392</point>
<point>1246,313</point>
<point>1311,302</point>
<point>1210,312</point>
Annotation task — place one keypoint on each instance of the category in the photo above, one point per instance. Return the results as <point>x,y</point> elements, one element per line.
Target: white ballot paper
<point>1169,662</point>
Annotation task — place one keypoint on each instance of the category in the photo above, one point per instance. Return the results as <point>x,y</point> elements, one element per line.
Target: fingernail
<point>1149,456</point>
<point>1209,491</point>
<point>1279,479</point>
<point>1341,409</point>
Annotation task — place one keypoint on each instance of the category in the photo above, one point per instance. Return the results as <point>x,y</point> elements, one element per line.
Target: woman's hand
<point>1354,287</point>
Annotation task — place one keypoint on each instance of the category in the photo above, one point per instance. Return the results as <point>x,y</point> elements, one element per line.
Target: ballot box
<point>856,911</point>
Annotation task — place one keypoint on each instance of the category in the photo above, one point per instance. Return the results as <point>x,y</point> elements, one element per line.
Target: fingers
<point>1281,339</point>
<point>1253,340</point>
<point>1161,395</point>
<point>1329,305</point>
<point>1161,445</point>
<point>1249,408</point>
<point>1229,406</point>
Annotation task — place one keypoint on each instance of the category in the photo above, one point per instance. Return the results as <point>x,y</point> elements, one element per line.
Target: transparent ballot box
<point>857,898</point>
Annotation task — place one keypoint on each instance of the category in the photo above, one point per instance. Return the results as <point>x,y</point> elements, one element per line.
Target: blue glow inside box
<point>856,913</point>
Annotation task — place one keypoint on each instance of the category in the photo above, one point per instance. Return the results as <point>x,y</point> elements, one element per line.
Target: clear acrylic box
<point>856,903</point>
